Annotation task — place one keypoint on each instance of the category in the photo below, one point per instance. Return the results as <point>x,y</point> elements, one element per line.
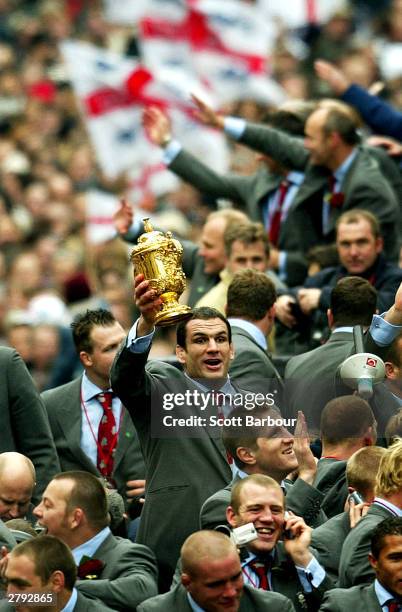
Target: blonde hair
<point>389,476</point>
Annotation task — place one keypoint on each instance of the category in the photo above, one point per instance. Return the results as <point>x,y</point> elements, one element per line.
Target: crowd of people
<point>227,464</point>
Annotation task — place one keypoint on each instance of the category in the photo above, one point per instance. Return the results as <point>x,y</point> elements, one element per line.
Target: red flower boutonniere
<point>337,199</point>
<point>89,568</point>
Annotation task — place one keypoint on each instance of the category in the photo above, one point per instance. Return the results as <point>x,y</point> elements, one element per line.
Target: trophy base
<point>172,312</point>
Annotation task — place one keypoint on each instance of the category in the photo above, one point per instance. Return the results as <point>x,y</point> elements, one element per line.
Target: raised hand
<point>123,217</point>
<point>148,303</point>
<point>332,75</point>
<point>206,114</point>
<point>157,125</point>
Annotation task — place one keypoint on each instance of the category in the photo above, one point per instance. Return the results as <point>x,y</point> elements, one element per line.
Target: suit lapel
<point>241,332</point>
<point>69,414</point>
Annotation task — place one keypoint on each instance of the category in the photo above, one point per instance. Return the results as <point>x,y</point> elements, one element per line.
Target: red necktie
<point>276,217</point>
<point>393,606</point>
<point>261,568</point>
<point>106,435</point>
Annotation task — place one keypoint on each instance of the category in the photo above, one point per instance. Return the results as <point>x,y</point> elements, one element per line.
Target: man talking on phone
<point>279,558</point>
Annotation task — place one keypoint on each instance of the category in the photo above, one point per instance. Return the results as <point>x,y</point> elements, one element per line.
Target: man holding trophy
<point>184,465</point>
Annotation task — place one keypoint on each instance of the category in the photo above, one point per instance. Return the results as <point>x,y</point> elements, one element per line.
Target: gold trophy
<point>158,257</point>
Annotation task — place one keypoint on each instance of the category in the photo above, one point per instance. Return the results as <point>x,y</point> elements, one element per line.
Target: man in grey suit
<point>274,452</point>
<point>385,559</point>
<point>266,196</point>
<point>24,426</point>
<point>212,581</point>
<point>310,378</point>
<point>328,539</point>
<point>44,567</point>
<point>251,313</point>
<point>354,567</point>
<point>278,558</point>
<point>75,412</point>
<point>339,174</point>
<point>185,463</point>
<point>74,509</point>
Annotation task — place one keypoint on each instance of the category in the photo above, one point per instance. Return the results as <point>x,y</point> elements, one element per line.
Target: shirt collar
<point>88,389</point>
<point>227,388</point>
<point>391,507</point>
<point>382,594</point>
<point>252,329</point>
<point>342,328</point>
<point>295,177</point>
<point>70,605</point>
<point>341,171</point>
<point>89,548</point>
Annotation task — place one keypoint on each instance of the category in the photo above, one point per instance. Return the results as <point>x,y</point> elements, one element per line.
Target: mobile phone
<point>357,498</point>
<point>287,534</point>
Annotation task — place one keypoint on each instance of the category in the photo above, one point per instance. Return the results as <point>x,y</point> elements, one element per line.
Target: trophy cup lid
<point>150,240</point>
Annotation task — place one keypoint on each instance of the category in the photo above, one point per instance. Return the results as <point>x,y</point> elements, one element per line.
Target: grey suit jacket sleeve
<point>287,150</point>
<point>28,420</point>
<point>192,170</point>
<point>305,501</point>
<point>133,580</point>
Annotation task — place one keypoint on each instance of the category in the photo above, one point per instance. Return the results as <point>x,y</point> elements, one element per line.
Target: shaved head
<point>205,546</point>
<point>17,481</point>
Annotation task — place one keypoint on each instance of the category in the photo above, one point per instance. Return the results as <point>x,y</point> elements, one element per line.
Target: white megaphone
<point>362,370</point>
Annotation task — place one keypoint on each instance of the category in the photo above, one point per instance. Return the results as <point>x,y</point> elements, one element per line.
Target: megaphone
<point>363,370</point>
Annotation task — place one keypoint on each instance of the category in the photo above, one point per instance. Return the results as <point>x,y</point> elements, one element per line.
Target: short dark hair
<point>233,437</point>
<point>248,233</point>
<point>49,554</point>
<point>357,214</point>
<point>344,417</point>
<point>88,494</point>
<point>204,313</point>
<point>353,301</point>
<point>388,527</point>
<point>250,295</point>
<point>84,323</point>
<point>344,124</point>
<point>290,119</point>
<point>394,352</point>
<point>325,255</point>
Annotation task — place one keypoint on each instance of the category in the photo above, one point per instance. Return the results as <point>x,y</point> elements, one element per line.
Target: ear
<point>232,351</point>
<point>379,244</point>
<point>86,359</point>
<point>77,518</point>
<point>57,580</point>
<point>246,455</point>
<point>231,516</point>
<point>330,318</point>
<point>185,579</point>
<point>373,561</point>
<point>181,354</point>
<point>390,370</point>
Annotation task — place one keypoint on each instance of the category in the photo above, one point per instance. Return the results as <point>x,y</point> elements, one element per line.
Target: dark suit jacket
<point>354,567</point>
<point>24,426</point>
<point>253,600</point>
<point>327,540</point>
<point>128,578</point>
<point>360,598</point>
<point>310,380</point>
<point>364,186</point>
<point>63,406</point>
<point>90,605</point>
<point>302,499</point>
<point>250,193</point>
<point>378,114</point>
<point>184,466</point>
<point>252,368</point>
